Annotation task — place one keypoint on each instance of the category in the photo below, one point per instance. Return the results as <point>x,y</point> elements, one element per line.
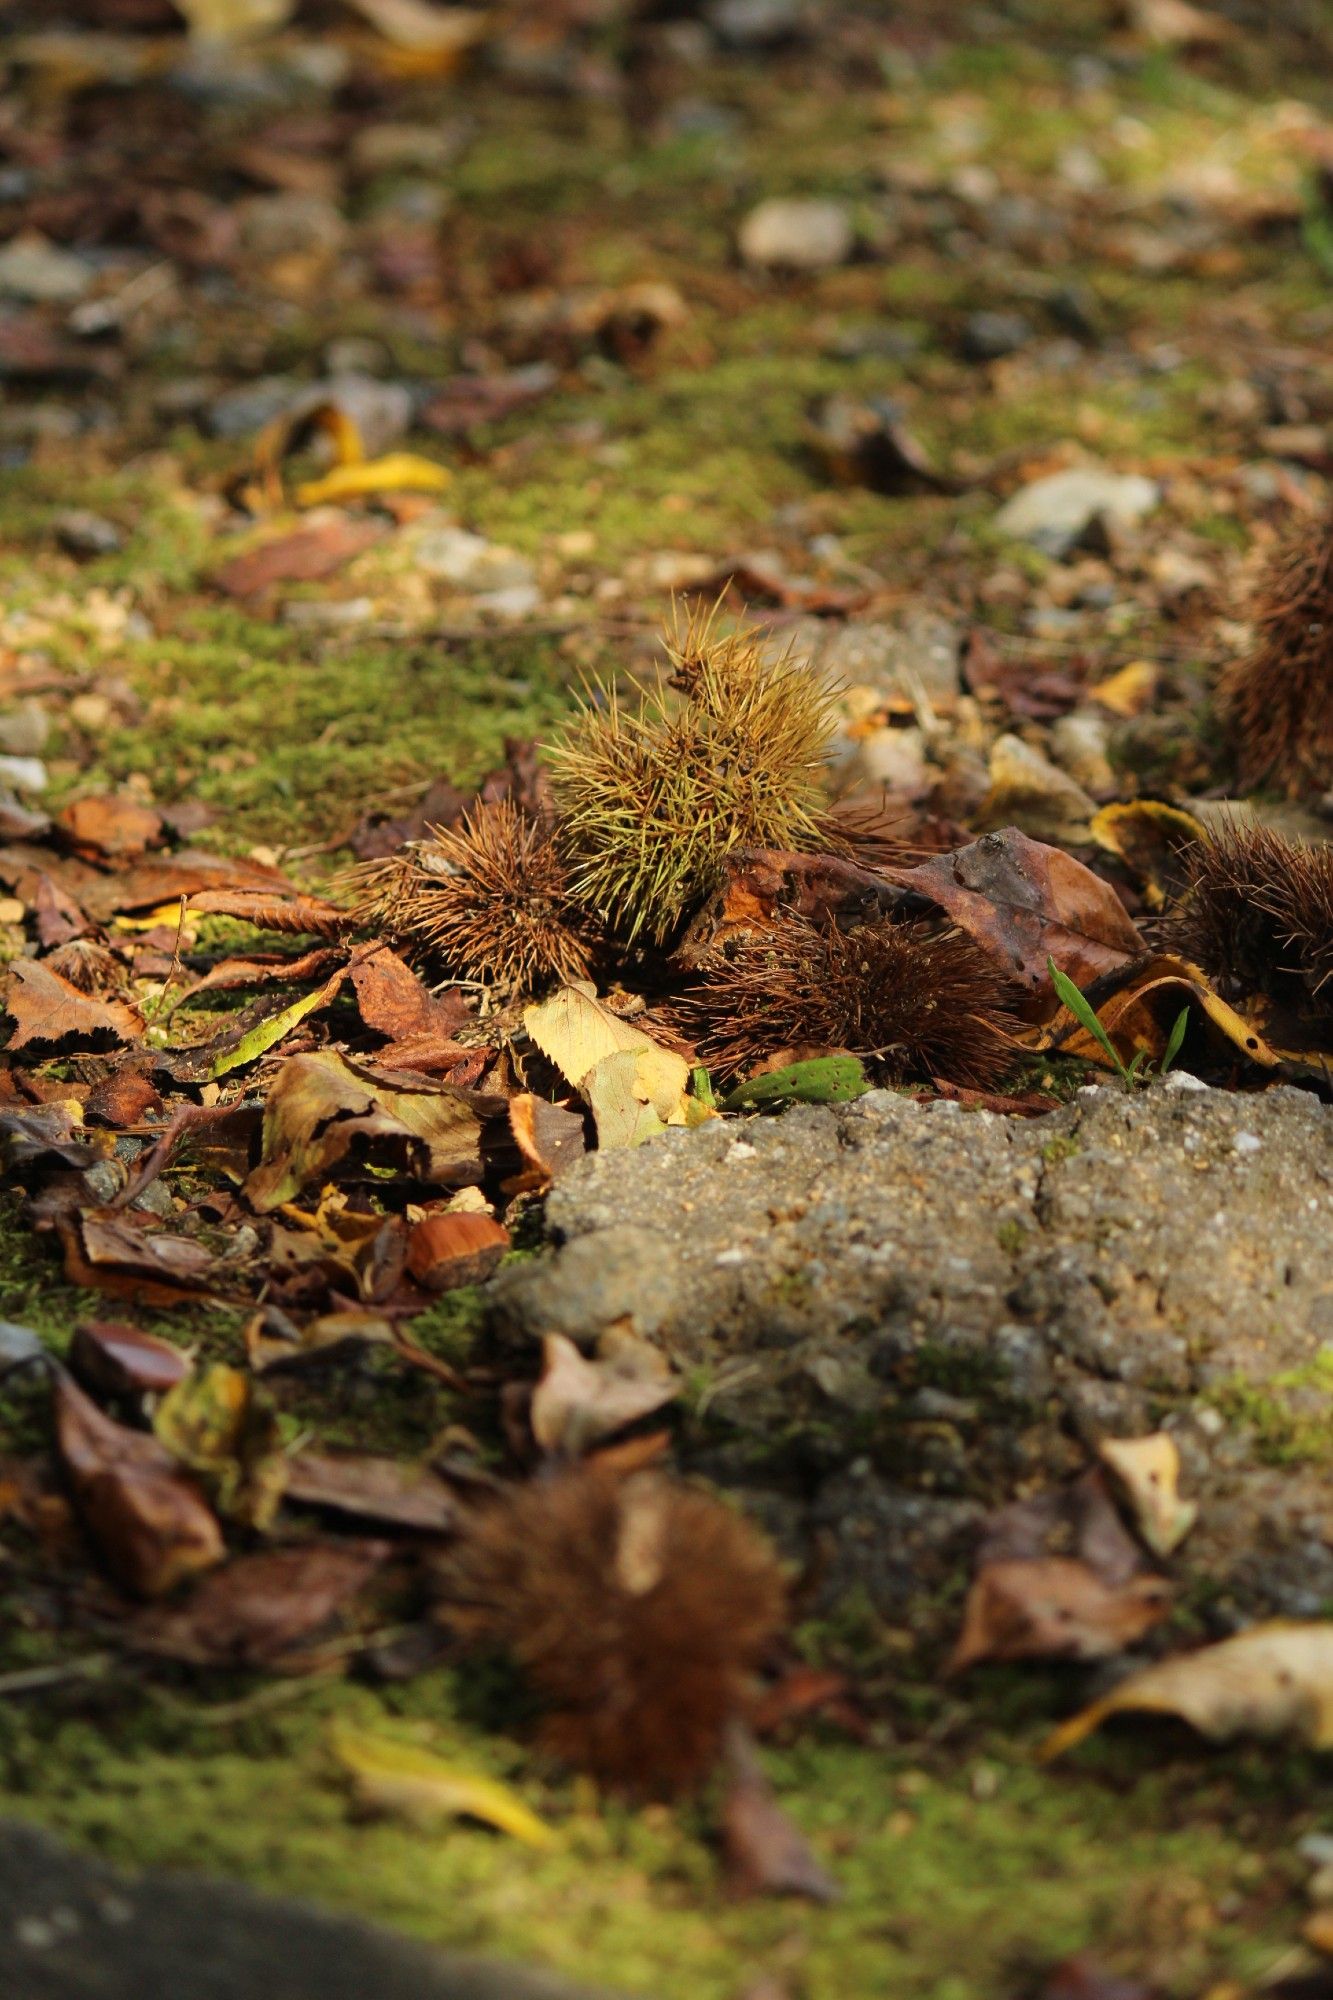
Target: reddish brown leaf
<point>259,1609</point>
<point>763,881</point>
<point>1022,902</point>
<point>119,1360</point>
<point>110,827</point>
<point>271,912</point>
<point>303,557</point>
<point>549,1136</point>
<point>48,1010</point>
<point>445,1251</point>
<point>232,973</point>
<point>58,916</point>
<point>393,1001</point>
<point>150,1521</point>
<point>125,1098</point>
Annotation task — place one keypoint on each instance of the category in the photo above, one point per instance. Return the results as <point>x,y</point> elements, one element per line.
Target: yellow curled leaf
<point>398,472</point>
<point>1275,1680</point>
<point>398,1778</point>
<point>1148,835</point>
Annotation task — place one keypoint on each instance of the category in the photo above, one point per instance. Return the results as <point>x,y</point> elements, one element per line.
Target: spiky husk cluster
<point>488,899</point>
<point>922,1003</point>
<point>1279,699</point>
<point>654,798</point>
<point>636,1610</point>
<point>1257,915</point>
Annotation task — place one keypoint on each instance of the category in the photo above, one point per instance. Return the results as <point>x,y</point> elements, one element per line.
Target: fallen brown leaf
<point>578,1402</point>
<point>386,1490</point>
<point>1054,1608</point>
<point>150,1521</point>
<point>323,1114</point>
<point>258,1610</point>
<point>394,1003</point>
<point>307,556</point>
<point>1025,902</point>
<point>109,827</point>
<point>766,1855</point>
<point>111,1252</point>
<point>47,1010</point>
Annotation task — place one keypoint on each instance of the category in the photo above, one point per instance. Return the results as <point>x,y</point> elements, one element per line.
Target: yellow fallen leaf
<point>1138,1016</point>
<point>1275,1680</point>
<point>632,1085</point>
<point>574,1030</point>
<point>423,28</point>
<point>234,20</point>
<point>398,1778</point>
<point>1147,1471</point>
<point>1128,691</point>
<point>398,472</point>
<point>1151,837</point>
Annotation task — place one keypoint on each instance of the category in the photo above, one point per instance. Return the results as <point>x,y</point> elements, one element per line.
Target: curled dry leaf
<point>400,1778</point>
<point>151,1522</point>
<point>1024,902</point>
<point>48,1011</point>
<point>110,1252</point>
<point>1150,837</point>
<point>1147,1472</point>
<point>258,1610</point>
<point>270,910</point>
<point>1054,1608</point>
<point>1138,1006</point>
<point>322,1113</point>
<point>272,1341</point>
<point>1276,1680</point>
<point>550,1137</point>
<point>577,1402</point>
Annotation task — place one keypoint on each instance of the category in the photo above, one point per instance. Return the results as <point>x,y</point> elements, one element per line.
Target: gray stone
<point>1054,513</point>
<point>72,1929</point>
<point>755,24</point>
<point>962,1304</point>
<point>86,535</point>
<point>989,336</point>
<point>24,730</point>
<point>796,234</point>
<point>469,562</point>
<point>620,1277</point>
<point>918,651</point>
<point>39,272</point>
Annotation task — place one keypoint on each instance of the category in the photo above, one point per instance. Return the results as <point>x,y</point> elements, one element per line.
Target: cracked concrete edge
<point>72,1928</point>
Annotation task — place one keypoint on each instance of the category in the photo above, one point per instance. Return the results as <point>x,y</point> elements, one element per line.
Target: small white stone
<point>730,1257</point>
<point>1246,1142</point>
<point>1180,1079</point>
<point>743,1150</point>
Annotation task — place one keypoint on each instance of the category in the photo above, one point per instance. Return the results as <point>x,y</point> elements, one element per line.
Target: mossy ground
<point>965,1867</point>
